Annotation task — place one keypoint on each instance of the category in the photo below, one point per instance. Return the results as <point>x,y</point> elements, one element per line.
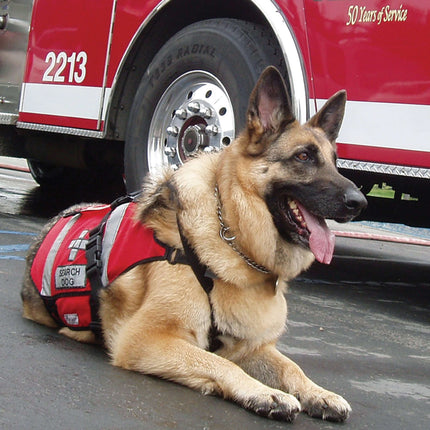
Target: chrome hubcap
<point>194,114</point>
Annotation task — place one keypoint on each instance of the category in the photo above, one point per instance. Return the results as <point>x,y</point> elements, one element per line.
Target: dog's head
<point>297,163</point>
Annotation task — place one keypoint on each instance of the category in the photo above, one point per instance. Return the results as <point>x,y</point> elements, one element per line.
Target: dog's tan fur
<point>156,317</point>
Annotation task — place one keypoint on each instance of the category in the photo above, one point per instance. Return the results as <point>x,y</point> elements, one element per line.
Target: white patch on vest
<point>78,245</point>
<point>71,319</point>
<point>67,277</point>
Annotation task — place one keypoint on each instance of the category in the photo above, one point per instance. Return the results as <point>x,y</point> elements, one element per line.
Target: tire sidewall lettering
<point>181,53</point>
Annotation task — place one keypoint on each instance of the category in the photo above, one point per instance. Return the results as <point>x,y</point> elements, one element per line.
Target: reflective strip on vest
<point>49,264</point>
<point>111,230</point>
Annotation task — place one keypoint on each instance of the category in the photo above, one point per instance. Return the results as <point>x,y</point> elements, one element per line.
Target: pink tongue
<point>321,240</point>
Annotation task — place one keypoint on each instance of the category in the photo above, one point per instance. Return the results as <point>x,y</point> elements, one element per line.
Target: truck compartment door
<point>64,83</point>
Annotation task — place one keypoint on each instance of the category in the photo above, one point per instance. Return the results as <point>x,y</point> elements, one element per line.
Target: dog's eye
<point>303,156</point>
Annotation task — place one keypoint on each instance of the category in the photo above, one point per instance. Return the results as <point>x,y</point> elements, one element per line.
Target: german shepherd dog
<point>253,216</point>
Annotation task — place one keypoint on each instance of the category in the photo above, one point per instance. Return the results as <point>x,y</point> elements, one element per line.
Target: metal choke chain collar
<point>223,232</point>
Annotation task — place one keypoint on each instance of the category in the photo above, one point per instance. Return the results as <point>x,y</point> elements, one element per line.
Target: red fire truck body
<point>76,68</point>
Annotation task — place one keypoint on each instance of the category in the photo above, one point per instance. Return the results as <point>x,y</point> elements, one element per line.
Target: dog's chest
<point>248,313</point>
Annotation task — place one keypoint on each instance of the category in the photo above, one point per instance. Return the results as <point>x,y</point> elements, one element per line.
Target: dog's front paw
<point>275,404</point>
<point>327,405</point>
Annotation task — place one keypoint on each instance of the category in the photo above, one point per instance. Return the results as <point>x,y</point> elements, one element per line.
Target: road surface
<point>360,328</point>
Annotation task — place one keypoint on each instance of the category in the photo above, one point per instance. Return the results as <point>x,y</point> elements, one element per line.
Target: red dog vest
<point>59,268</point>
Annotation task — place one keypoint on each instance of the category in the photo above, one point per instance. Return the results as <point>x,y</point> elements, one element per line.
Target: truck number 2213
<point>77,67</point>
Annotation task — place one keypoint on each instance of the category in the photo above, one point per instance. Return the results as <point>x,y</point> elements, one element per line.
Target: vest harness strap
<point>206,279</point>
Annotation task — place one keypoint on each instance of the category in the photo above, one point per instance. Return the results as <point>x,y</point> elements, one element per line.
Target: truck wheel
<point>194,94</point>
<point>45,174</point>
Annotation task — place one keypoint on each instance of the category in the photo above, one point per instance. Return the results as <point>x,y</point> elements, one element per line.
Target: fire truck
<point>129,86</point>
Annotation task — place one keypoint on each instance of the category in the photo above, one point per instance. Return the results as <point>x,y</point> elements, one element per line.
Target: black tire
<point>97,179</point>
<point>223,55</point>
<point>47,175</point>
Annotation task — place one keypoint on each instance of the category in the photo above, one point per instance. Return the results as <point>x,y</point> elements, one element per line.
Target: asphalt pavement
<point>359,327</point>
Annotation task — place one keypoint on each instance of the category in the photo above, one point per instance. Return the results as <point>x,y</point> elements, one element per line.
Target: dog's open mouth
<point>311,230</point>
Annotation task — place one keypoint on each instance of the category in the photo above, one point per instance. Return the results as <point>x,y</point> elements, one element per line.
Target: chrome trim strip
<point>8,118</point>
<point>63,130</point>
<point>127,51</point>
<point>106,69</point>
<point>292,56</point>
<point>387,169</point>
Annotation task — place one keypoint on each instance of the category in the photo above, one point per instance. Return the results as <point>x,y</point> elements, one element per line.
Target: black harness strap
<point>94,273</point>
<point>198,268</point>
<point>94,264</point>
<point>205,277</point>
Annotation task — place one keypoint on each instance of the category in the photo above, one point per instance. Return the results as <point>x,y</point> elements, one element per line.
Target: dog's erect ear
<point>269,109</point>
<point>329,117</point>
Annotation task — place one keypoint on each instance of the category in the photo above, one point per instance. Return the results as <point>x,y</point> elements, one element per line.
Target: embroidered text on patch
<point>70,277</point>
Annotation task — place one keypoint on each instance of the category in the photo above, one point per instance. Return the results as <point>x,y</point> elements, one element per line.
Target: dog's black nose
<point>354,200</point>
